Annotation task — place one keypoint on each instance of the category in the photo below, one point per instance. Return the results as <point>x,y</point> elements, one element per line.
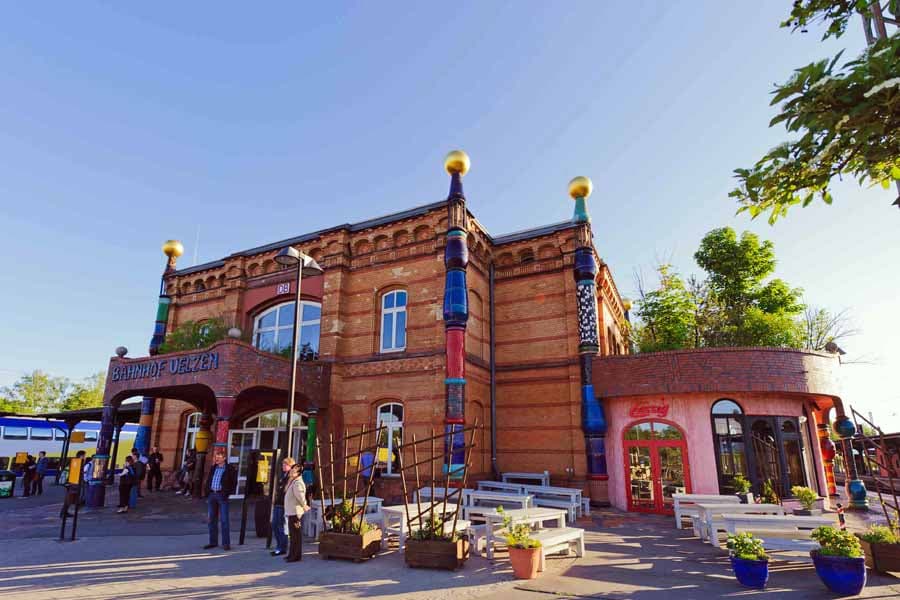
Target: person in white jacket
<point>295,506</point>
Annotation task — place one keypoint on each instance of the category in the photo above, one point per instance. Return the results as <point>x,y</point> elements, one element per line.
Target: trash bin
<point>7,484</point>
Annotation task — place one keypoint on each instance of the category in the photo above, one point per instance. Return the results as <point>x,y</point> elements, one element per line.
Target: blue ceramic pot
<point>751,573</point>
<point>841,575</point>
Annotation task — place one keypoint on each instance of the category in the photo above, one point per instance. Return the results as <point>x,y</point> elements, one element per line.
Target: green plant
<point>193,335</point>
<point>745,546</point>
<point>518,536</point>
<point>806,496</point>
<point>768,495</point>
<point>344,519</point>
<point>434,530</point>
<point>880,534</point>
<point>741,484</point>
<point>837,542</point>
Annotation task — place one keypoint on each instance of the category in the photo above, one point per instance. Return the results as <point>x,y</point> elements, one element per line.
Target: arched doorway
<point>264,431</point>
<point>656,466</point>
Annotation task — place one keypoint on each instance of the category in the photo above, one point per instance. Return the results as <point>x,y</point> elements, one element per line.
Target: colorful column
<point>856,489</point>
<point>593,421</point>
<point>456,311</point>
<point>95,492</point>
<point>201,445</point>
<point>225,408</point>
<point>826,446</point>
<point>310,458</point>
<point>172,249</point>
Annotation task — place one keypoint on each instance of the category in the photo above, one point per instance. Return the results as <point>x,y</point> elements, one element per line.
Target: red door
<point>656,466</point>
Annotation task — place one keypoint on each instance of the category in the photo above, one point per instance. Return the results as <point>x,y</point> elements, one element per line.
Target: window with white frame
<point>390,416</point>
<point>393,321</point>
<point>192,426</point>
<point>274,328</point>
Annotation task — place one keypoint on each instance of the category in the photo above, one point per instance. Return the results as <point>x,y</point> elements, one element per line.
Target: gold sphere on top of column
<point>457,161</point>
<point>173,248</point>
<point>580,187</point>
<point>626,304</point>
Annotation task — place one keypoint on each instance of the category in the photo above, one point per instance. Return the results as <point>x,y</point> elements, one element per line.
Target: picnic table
<point>478,502</point>
<point>395,518</point>
<point>779,532</point>
<point>685,505</point>
<point>314,523</point>
<point>557,497</point>
<point>537,478</point>
<point>710,521</point>
<point>529,516</point>
<point>501,486</point>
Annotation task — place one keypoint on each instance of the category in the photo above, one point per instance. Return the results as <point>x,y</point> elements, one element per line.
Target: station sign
<point>153,368</point>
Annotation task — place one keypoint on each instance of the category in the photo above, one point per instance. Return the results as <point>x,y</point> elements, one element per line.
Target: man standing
<point>29,470</point>
<point>140,473</point>
<point>37,484</point>
<point>154,462</point>
<point>220,483</point>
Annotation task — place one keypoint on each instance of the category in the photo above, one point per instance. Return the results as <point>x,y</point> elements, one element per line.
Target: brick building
<point>384,326</point>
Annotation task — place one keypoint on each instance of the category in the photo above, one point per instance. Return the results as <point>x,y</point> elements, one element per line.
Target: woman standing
<point>295,506</point>
<point>126,481</point>
<point>278,531</point>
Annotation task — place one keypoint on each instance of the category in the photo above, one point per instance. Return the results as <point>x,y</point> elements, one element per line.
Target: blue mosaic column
<point>456,313</point>
<point>593,420</point>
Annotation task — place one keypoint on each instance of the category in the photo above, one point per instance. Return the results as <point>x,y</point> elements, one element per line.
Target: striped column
<point>826,446</point>
<point>456,311</point>
<point>593,420</point>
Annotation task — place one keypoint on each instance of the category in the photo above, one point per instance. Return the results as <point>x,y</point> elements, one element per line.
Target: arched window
<point>191,427</point>
<point>391,417</point>
<point>393,321</point>
<point>272,330</point>
<point>726,407</point>
<point>730,446</point>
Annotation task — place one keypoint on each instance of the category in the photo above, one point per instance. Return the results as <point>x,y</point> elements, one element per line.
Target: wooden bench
<point>536,478</point>
<point>709,522</point>
<point>780,533</point>
<point>501,486</point>
<point>559,539</point>
<point>686,505</point>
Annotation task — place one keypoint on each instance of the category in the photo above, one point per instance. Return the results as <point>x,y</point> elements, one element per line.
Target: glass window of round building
<point>273,329</point>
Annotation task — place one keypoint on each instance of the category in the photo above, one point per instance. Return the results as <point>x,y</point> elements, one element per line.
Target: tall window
<point>192,426</point>
<point>391,417</point>
<point>273,329</point>
<point>393,321</point>
<point>728,437</point>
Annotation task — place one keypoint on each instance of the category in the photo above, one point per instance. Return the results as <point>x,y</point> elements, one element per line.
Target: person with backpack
<point>126,484</point>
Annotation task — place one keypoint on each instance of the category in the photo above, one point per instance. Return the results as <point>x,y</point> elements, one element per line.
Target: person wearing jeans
<point>278,532</point>
<point>220,484</point>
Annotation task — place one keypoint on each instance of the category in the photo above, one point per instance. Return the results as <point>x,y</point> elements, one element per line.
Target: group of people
<point>33,474</point>
<point>139,467</point>
<point>290,505</point>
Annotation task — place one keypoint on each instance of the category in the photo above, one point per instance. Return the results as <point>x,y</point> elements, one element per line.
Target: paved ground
<point>154,552</point>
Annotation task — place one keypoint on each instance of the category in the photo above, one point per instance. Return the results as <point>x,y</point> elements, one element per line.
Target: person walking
<point>220,484</point>
<point>187,474</point>
<point>154,462</point>
<point>295,506</point>
<point>126,481</point>
<point>40,470</point>
<point>278,531</point>
<point>29,470</point>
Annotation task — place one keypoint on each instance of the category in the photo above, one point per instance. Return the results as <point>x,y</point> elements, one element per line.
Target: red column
<point>225,407</point>
<point>827,448</point>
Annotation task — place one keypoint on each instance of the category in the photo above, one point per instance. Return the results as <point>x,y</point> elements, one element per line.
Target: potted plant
<point>808,499</point>
<point>430,547</point>
<point>767,495</point>
<point>839,561</point>
<point>742,489</point>
<point>524,550</point>
<point>881,545</point>
<point>749,560</point>
<point>349,535</point>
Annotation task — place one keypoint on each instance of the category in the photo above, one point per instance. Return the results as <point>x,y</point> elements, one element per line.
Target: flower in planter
<point>741,484</point>
<point>837,542</point>
<point>805,496</point>
<point>518,536</point>
<point>745,546</point>
<point>880,534</point>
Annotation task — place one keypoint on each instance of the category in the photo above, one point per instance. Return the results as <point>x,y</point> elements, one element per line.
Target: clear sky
<point>123,125</point>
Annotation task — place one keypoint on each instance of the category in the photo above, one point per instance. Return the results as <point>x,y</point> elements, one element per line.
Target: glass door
<point>240,443</point>
<point>641,484</point>
<point>656,466</point>
<point>671,475</point>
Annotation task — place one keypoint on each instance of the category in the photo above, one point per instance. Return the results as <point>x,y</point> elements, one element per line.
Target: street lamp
<point>306,265</point>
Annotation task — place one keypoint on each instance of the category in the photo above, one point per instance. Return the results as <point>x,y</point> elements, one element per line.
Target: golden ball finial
<point>173,248</point>
<point>580,187</point>
<point>457,161</point>
<point>626,304</point>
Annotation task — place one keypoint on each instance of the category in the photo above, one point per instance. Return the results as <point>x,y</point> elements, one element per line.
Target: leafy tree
<point>86,394</point>
<point>667,315</point>
<point>847,117</point>
<point>192,335</point>
<point>821,327</point>
<point>35,392</point>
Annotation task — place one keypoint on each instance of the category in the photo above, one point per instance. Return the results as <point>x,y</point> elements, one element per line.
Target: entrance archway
<point>656,465</point>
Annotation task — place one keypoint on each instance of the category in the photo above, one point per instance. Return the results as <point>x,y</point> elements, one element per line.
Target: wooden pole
<point>403,483</point>
<point>418,484</point>
<point>449,471</point>
<point>321,483</point>
<point>465,472</point>
<point>362,430</point>
<point>331,465</point>
<point>371,479</point>
<point>344,470</point>
<point>432,479</point>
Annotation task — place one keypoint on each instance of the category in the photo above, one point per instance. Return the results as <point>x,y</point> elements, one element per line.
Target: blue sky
<point>125,125</point>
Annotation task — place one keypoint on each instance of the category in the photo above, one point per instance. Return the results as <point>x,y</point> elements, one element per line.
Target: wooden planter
<point>436,554</point>
<point>881,557</point>
<point>349,545</point>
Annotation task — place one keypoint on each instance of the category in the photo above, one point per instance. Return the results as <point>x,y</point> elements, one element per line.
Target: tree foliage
<point>38,392</point>
<point>87,393</point>
<point>847,118</point>
<point>192,335</point>
<point>668,314</point>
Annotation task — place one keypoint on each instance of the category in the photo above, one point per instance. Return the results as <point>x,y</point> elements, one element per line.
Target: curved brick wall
<point>717,370</point>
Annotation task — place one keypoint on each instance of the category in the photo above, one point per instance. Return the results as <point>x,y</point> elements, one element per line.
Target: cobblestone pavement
<point>155,552</point>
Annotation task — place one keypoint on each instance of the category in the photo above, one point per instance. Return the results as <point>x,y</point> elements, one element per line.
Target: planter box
<point>881,557</point>
<point>350,546</point>
<point>436,554</point>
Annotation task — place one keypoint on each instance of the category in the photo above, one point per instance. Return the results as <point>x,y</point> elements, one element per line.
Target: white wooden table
<point>535,478</point>
<point>314,523</point>
<point>395,518</point>
<point>779,532</point>
<point>557,497</point>
<point>710,521</point>
<point>685,505</point>
<point>477,502</point>
<point>501,486</point>
<point>529,516</point>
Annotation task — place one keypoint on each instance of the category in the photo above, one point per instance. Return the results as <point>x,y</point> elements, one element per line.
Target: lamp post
<point>291,257</point>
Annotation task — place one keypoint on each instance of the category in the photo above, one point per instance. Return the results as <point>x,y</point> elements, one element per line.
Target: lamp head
<point>288,256</point>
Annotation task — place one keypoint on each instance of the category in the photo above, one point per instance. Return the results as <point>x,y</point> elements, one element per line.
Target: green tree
<point>667,315</point>
<point>192,335</point>
<point>86,394</point>
<point>847,117</point>
<point>35,392</point>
